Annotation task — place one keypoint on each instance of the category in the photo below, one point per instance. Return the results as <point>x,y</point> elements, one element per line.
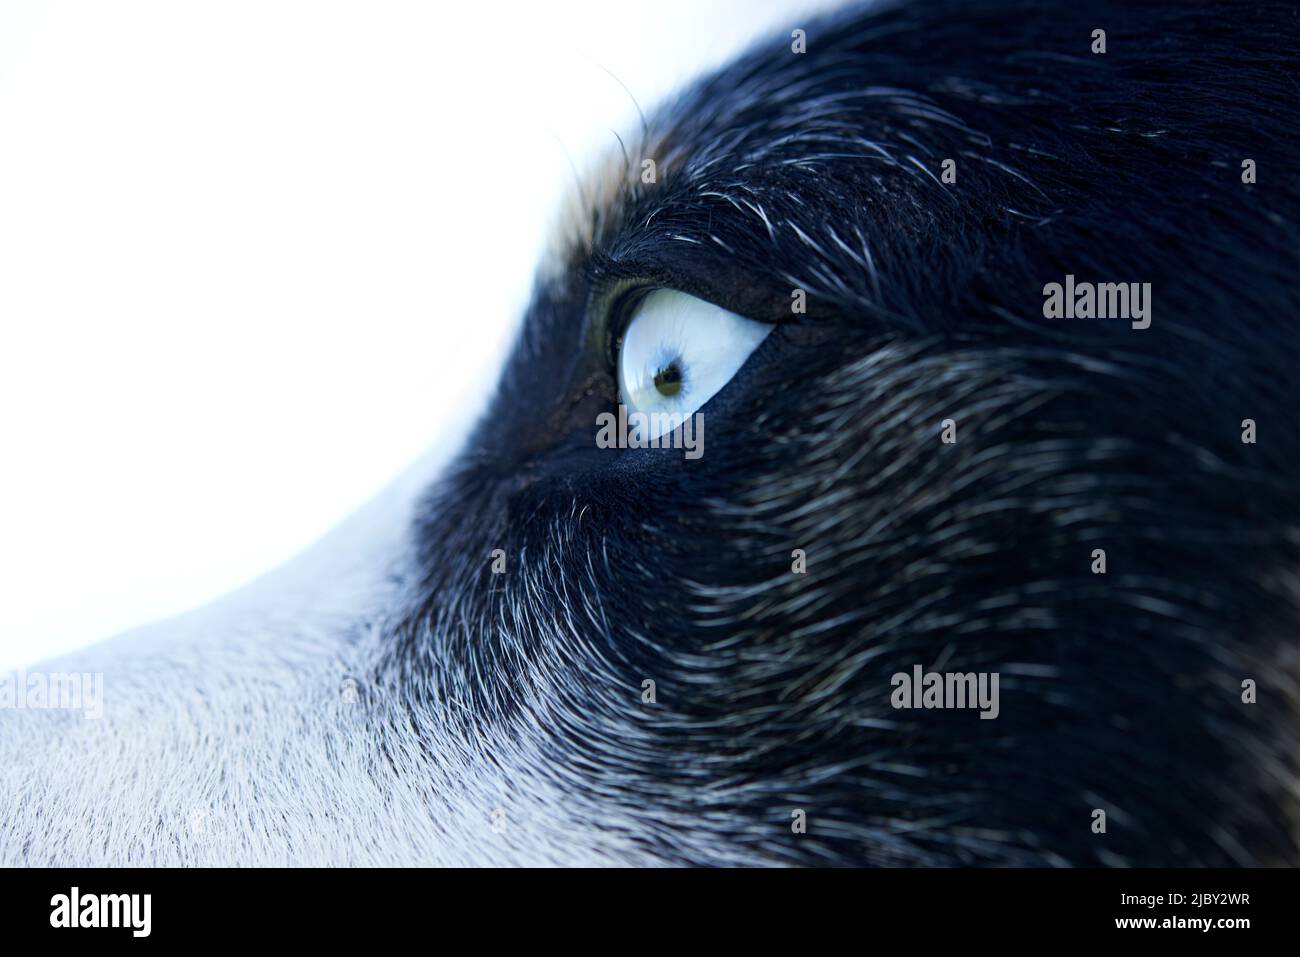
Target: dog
<point>841,251</point>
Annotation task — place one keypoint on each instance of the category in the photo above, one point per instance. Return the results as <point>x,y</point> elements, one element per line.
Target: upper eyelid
<point>609,310</point>
<point>617,305</point>
<point>623,308</point>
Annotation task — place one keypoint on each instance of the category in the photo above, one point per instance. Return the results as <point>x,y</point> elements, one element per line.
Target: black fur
<point>821,171</point>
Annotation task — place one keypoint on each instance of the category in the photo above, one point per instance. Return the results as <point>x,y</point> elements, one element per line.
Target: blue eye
<point>679,351</point>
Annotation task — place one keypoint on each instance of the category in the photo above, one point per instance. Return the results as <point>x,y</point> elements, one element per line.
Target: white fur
<point>228,738</point>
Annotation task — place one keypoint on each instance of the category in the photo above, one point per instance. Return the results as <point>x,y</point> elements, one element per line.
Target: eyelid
<point>619,302</point>
<point>608,313</point>
<point>620,312</point>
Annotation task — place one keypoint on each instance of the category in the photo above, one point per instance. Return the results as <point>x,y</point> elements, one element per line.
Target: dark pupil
<point>668,380</point>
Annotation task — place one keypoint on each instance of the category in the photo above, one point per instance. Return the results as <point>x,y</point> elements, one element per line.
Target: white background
<point>253,254</point>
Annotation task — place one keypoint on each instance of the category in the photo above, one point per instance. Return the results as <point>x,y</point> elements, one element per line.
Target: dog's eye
<point>679,351</point>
